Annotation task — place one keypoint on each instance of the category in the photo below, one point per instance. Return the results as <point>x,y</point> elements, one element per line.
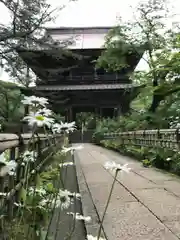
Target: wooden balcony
<point>87,79</point>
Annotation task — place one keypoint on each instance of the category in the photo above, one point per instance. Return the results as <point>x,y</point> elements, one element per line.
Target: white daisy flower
<point>77,195</point>
<point>63,200</point>
<point>39,191</point>
<point>66,164</point>
<point>56,128</point>
<point>90,237</point>
<point>77,216</point>
<point>43,202</point>
<point>114,166</point>
<point>3,194</point>
<point>72,149</point>
<point>9,168</point>
<point>29,156</point>
<point>63,127</point>
<point>35,101</point>
<point>18,204</point>
<point>45,112</point>
<point>68,127</point>
<point>39,120</point>
<point>70,194</point>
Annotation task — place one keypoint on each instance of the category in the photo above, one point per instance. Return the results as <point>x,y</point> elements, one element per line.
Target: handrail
<point>8,140</point>
<point>169,138</point>
<point>16,145</point>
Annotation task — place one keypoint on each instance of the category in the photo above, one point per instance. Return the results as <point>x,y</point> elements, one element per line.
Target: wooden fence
<point>15,146</point>
<point>166,138</point>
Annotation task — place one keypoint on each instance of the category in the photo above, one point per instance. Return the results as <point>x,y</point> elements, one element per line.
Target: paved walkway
<point>145,204</point>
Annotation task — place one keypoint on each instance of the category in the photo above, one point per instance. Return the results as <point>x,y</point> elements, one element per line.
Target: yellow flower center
<point>39,118</point>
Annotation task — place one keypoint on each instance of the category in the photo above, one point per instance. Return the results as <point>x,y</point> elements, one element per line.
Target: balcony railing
<point>89,79</point>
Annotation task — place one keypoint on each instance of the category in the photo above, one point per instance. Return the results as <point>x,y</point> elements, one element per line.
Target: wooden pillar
<point>96,111</point>
<point>117,111</point>
<point>70,114</point>
<point>73,114</point>
<point>26,110</point>
<point>67,115</point>
<point>100,112</point>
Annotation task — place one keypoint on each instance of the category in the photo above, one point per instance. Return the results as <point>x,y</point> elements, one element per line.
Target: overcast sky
<point>93,12</point>
<point>86,13</point>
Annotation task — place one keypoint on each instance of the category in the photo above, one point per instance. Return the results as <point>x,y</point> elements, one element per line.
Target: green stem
<point>107,204</point>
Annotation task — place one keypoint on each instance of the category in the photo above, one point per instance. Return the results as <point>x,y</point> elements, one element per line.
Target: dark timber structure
<point>81,87</point>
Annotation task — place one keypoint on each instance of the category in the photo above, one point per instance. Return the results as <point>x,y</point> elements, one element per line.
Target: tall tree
<point>25,30</point>
<point>149,32</point>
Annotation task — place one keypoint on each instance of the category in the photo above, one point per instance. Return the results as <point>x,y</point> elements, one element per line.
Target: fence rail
<point>16,145</point>
<point>169,138</point>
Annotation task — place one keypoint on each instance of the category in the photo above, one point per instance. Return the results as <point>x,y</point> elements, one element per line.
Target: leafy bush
<point>146,162</point>
<point>157,157</point>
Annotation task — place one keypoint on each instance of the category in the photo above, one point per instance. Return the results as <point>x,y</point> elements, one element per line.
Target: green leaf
<point>38,181</point>
<point>49,187</point>
<point>22,195</point>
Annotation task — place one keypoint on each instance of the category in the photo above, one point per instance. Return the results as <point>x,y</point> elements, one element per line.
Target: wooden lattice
<point>166,138</point>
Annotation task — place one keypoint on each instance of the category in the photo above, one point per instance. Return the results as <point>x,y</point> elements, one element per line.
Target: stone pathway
<point>145,204</point>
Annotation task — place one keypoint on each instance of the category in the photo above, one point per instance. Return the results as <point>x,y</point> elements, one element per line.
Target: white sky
<point>86,13</point>
<point>92,12</point>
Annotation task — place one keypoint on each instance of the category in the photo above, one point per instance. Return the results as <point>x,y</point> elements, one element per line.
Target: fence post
<point>21,149</point>
<point>1,205</point>
<point>177,137</point>
<point>11,184</point>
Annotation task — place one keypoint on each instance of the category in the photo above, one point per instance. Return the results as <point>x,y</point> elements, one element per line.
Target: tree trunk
<point>155,103</point>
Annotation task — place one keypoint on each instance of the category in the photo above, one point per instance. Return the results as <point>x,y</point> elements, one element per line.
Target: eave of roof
<point>79,28</point>
<point>85,87</point>
<point>38,60</point>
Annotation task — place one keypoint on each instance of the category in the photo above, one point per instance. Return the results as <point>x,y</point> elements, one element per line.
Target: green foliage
<point>22,195</point>
<point>158,157</point>
<point>88,120</point>
<point>25,30</point>
<point>135,120</point>
<point>147,33</point>
<point>146,163</point>
<point>31,217</point>
<point>11,109</point>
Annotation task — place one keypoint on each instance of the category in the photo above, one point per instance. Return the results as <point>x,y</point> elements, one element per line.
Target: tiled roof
<point>83,38</point>
<point>86,87</point>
